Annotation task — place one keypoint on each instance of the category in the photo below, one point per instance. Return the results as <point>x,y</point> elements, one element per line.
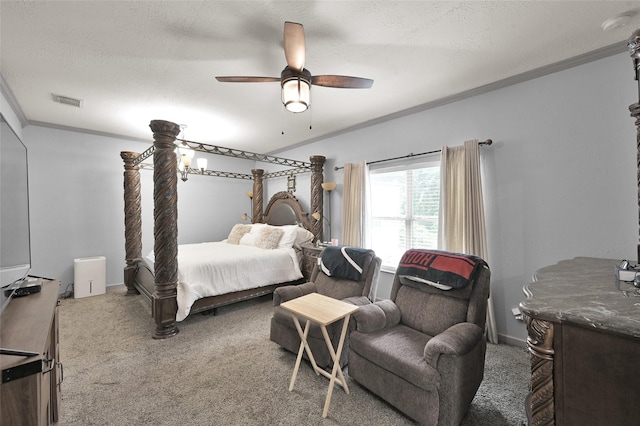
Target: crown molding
<point>13,102</point>
<point>88,132</point>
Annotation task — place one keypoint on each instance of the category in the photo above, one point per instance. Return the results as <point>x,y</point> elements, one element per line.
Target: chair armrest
<point>357,300</point>
<point>288,292</point>
<point>458,339</point>
<point>376,316</point>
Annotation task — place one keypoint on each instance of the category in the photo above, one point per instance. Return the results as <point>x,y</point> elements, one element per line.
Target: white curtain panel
<point>354,205</point>
<point>462,223</point>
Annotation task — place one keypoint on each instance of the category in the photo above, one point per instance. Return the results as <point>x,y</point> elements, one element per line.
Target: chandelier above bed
<point>185,157</point>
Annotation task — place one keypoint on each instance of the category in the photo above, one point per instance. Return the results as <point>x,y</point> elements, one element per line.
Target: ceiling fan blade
<point>294,49</point>
<point>342,81</point>
<point>238,79</point>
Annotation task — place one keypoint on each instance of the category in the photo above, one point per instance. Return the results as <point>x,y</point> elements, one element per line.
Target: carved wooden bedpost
<point>258,196</point>
<point>317,195</point>
<point>540,344</point>
<point>132,218</point>
<point>165,214</point>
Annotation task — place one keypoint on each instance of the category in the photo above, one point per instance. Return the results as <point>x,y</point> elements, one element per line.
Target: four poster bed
<point>274,238</point>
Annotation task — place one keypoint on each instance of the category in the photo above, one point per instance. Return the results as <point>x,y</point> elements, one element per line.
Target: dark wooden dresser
<point>30,390</point>
<point>584,338</point>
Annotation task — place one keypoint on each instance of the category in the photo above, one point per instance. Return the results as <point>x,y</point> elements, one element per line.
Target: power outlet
<point>517,314</point>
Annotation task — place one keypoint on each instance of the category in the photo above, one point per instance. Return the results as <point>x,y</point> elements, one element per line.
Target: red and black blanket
<point>448,269</point>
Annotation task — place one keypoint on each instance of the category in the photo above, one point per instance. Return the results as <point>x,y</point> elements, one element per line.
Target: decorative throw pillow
<point>268,238</point>
<point>237,232</point>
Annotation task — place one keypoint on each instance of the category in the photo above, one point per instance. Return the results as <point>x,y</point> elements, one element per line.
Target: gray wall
<point>559,180</point>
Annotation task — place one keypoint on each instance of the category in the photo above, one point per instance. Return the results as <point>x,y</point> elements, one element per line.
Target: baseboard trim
<point>513,341</point>
<point>116,286</point>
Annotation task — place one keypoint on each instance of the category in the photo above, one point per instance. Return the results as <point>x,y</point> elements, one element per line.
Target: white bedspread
<point>210,269</point>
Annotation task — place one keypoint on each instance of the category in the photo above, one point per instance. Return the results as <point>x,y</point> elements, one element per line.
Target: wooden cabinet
<point>30,390</point>
<point>584,340</point>
<point>310,256</point>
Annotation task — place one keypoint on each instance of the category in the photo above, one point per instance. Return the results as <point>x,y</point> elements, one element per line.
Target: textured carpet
<point>223,369</point>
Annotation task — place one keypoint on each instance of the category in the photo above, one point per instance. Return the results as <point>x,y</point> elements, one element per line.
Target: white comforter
<point>210,269</point>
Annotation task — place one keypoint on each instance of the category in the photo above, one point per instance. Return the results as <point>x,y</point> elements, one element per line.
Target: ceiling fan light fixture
<point>296,90</point>
<point>296,95</point>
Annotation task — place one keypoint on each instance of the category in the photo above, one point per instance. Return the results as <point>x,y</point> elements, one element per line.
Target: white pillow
<point>256,227</point>
<point>290,233</point>
<point>249,239</point>
<point>303,236</point>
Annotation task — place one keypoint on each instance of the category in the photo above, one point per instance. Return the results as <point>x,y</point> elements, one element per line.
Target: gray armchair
<point>423,350</point>
<point>357,292</point>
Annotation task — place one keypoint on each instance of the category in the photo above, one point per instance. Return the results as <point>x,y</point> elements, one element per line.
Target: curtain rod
<point>487,142</point>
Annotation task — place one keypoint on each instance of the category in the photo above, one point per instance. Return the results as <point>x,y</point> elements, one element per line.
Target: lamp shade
<point>185,160</point>
<point>296,94</point>
<point>202,164</point>
<point>328,186</point>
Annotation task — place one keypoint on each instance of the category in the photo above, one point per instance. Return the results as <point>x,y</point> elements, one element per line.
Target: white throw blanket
<point>210,269</point>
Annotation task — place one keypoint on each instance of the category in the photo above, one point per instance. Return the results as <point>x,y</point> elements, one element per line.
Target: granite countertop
<point>584,291</point>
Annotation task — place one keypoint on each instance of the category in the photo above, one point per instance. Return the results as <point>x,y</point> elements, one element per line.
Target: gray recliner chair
<point>358,292</point>
<point>423,350</point>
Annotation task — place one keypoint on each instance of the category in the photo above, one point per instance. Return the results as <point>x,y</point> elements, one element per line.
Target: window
<point>404,210</point>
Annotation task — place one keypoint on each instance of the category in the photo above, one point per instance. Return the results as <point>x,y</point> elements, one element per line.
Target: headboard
<point>284,209</point>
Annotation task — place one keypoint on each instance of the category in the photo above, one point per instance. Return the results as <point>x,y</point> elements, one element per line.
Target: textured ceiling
<point>134,61</point>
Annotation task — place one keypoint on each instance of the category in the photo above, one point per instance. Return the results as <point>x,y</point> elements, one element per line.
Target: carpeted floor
<point>224,370</point>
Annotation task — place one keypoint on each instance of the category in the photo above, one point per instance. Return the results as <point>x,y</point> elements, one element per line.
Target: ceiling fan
<point>295,79</point>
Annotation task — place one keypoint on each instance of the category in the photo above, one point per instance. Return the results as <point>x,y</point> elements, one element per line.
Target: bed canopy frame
<point>165,200</point>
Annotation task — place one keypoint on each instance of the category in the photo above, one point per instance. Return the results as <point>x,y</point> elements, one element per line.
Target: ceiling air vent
<point>67,100</point>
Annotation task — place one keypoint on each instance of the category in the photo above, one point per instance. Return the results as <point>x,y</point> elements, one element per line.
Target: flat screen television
<point>15,242</point>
